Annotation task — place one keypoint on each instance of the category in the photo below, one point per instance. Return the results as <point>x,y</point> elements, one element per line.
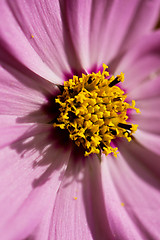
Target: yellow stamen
<point>94,111</point>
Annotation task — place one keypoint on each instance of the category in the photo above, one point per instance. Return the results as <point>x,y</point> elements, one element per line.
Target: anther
<point>114,132</point>
<point>128,133</point>
<point>114,82</point>
<point>117,99</point>
<point>89,80</point>
<point>125,126</point>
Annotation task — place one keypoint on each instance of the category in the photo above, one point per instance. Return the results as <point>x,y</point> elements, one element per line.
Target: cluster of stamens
<point>94,111</point>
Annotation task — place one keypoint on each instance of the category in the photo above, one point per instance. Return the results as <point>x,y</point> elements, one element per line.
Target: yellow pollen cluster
<point>94,111</point>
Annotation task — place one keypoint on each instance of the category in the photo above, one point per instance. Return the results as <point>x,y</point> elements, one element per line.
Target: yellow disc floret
<point>94,111</point>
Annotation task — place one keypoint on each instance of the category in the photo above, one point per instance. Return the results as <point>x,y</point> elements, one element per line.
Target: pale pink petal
<point>116,25</point>
<point>148,140</point>
<point>69,217</point>
<point>33,34</point>
<point>141,62</point>
<point>77,17</point>
<point>98,30</point>
<point>148,89</point>
<point>120,223</point>
<point>31,172</point>
<point>11,131</point>
<point>41,232</point>
<point>79,211</point>
<point>131,190</point>
<point>149,118</point>
<point>24,96</point>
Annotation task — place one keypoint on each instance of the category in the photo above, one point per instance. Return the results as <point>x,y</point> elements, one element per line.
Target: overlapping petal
<point>31,172</point>
<point>148,89</point>
<point>79,211</point>
<point>116,25</point>
<point>149,117</point>
<point>141,63</point>
<point>132,184</point>
<point>20,94</point>
<point>103,28</point>
<point>37,25</point>
<point>148,140</point>
<point>51,29</point>
<point>69,210</point>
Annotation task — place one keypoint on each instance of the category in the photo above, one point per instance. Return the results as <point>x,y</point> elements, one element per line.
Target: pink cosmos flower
<point>47,191</point>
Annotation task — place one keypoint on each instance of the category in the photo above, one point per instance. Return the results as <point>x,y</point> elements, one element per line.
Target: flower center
<point>94,111</point>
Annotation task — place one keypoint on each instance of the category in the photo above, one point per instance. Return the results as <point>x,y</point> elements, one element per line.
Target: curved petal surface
<point>131,189</point>
<point>148,89</point>
<point>79,211</point>
<point>148,140</point>
<point>116,25</point>
<point>37,26</point>
<point>31,172</point>
<point>18,93</point>
<point>149,118</point>
<point>141,63</point>
<point>26,97</point>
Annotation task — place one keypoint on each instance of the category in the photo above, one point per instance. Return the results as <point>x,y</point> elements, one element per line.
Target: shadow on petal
<point>143,162</point>
<point>52,154</point>
<point>96,211</point>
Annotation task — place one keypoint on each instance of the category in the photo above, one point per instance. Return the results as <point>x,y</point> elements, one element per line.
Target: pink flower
<point>47,190</point>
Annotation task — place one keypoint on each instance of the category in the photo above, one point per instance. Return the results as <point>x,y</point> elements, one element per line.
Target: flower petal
<point>141,62</point>
<point>100,29</point>
<point>79,209</point>
<point>78,17</point>
<point>117,217</point>
<point>37,26</point>
<point>131,190</point>
<point>41,232</point>
<point>11,131</point>
<point>148,140</point>
<point>149,118</point>
<point>23,96</point>
<point>69,211</point>
<point>148,89</point>
<point>31,172</point>
<point>116,25</point>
